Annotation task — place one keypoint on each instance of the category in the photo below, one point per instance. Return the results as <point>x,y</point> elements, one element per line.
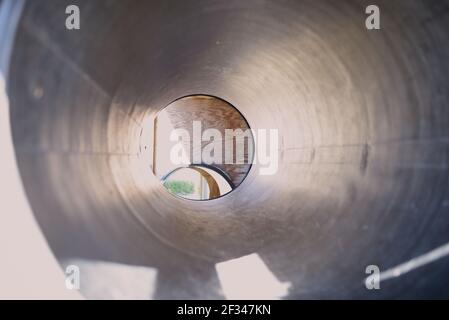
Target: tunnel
<point>363,129</point>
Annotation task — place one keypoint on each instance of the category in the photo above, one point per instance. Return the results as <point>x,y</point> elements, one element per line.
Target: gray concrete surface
<point>363,119</point>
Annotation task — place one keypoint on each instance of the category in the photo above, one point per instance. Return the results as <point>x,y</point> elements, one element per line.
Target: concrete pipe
<point>362,117</point>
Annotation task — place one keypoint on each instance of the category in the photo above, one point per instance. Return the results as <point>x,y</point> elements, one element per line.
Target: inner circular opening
<point>202,147</point>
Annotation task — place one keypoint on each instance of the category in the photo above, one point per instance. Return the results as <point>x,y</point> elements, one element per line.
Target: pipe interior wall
<point>363,128</point>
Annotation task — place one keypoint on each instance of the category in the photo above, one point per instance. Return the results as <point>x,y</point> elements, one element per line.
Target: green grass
<point>179,187</point>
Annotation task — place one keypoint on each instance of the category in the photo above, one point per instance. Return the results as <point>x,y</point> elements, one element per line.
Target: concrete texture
<point>363,119</point>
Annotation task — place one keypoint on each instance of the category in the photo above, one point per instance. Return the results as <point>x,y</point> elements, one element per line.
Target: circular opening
<point>197,183</point>
<point>202,148</point>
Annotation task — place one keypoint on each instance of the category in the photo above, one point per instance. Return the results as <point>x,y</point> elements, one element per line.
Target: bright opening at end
<point>202,147</point>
